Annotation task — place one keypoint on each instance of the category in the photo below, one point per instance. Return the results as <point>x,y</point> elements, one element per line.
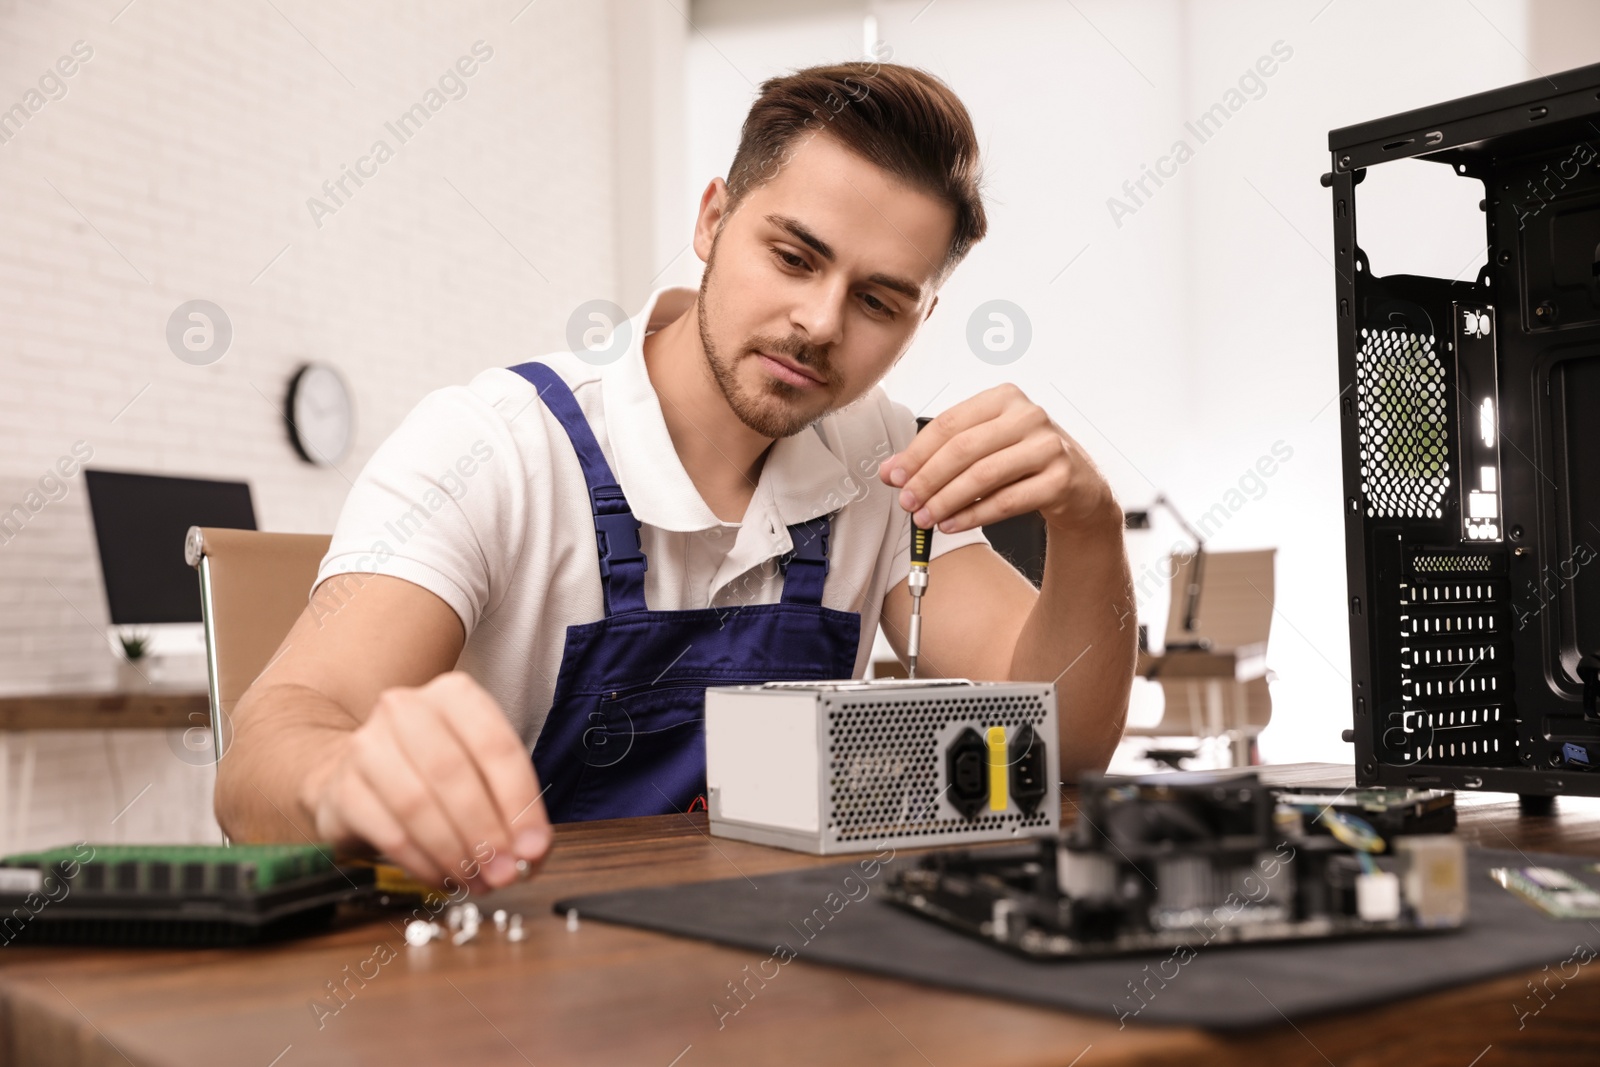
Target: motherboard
<point>1186,860</point>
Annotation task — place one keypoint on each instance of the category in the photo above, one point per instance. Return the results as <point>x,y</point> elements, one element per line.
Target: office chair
<point>1213,673</point>
<point>253,586</point>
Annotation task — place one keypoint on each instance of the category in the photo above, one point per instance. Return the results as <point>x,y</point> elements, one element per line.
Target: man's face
<point>815,285</point>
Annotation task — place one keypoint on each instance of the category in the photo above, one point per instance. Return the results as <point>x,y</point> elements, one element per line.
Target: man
<point>555,560</point>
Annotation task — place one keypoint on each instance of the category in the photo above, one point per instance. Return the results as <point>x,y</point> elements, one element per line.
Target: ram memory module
<point>202,895</point>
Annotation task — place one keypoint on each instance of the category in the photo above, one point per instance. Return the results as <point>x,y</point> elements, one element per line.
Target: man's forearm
<point>284,736</point>
<point>1082,634</point>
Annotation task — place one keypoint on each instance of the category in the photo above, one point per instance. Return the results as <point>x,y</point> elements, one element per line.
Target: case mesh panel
<point>1448,564</point>
<point>1400,400</point>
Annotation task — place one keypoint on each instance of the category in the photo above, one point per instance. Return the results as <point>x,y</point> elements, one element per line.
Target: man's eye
<point>878,307</point>
<point>788,259</point>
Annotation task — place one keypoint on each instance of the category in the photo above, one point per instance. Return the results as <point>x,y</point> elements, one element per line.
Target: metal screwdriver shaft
<point>917,581</point>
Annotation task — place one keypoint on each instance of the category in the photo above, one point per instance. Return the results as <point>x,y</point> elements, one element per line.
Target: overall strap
<point>622,562</point>
<point>806,567</point>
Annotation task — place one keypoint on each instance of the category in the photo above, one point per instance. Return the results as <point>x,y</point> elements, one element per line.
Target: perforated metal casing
<point>857,766</point>
<point>1400,401</point>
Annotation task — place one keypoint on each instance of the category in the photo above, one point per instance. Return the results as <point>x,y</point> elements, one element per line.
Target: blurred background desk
<point>154,709</point>
<point>148,727</point>
<point>1208,694</point>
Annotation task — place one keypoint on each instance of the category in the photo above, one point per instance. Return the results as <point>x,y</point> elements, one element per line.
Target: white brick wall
<point>177,166</point>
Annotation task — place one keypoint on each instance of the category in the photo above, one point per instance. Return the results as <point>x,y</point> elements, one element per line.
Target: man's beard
<point>768,414</point>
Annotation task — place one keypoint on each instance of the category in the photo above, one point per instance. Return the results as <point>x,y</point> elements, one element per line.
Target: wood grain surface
<point>611,995</point>
<point>153,709</point>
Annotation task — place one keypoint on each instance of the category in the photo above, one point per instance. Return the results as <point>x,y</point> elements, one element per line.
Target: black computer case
<point>1470,432</point>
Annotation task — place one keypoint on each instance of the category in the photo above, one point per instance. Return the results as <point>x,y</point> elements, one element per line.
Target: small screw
<point>515,932</point>
<point>467,918</point>
<point>572,920</point>
<point>419,932</point>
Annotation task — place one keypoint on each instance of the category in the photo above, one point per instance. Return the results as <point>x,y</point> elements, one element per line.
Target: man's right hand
<point>438,781</point>
<point>359,731</point>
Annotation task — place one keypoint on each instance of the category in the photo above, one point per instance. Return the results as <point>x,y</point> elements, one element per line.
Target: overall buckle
<point>617,534</point>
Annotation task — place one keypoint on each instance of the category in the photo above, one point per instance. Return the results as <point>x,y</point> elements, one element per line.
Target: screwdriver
<point>921,546</point>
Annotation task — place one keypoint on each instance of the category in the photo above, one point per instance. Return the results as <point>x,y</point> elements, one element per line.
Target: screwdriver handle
<point>921,544</point>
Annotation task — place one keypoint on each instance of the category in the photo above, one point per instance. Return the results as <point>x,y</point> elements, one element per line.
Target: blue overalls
<point>625,734</point>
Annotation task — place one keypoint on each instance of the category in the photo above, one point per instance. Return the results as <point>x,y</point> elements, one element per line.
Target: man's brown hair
<point>901,119</point>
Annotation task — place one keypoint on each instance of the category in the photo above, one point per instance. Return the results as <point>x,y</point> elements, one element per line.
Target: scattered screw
<point>524,870</point>
<point>468,918</point>
<point>419,932</point>
<point>464,921</point>
<point>572,920</point>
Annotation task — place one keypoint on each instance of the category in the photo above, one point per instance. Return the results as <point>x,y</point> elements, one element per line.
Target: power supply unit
<point>854,766</point>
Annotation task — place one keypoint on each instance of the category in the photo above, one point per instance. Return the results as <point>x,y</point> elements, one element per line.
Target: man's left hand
<point>992,457</point>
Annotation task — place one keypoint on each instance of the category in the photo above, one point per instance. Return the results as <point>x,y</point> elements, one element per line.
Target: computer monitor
<point>140,521</point>
<point>1470,431</point>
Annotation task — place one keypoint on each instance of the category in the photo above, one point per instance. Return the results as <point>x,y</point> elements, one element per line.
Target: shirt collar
<point>801,478</point>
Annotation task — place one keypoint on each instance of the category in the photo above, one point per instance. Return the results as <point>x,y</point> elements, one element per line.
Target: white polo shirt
<point>478,498</point>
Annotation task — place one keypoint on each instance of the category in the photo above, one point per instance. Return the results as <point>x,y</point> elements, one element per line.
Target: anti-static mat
<point>837,915</point>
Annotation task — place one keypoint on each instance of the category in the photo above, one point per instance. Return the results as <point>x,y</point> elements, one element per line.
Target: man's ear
<point>930,309</point>
<point>713,211</point>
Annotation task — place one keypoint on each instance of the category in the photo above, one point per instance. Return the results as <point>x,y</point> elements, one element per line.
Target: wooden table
<point>607,994</point>
<point>148,709</point>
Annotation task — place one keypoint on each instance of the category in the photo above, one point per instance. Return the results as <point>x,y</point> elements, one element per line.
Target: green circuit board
<point>173,894</point>
<point>164,869</point>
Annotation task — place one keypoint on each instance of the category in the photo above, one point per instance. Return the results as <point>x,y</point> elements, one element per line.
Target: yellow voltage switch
<point>997,768</point>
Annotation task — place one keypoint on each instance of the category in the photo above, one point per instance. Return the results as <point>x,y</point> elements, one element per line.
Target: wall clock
<point>320,414</point>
